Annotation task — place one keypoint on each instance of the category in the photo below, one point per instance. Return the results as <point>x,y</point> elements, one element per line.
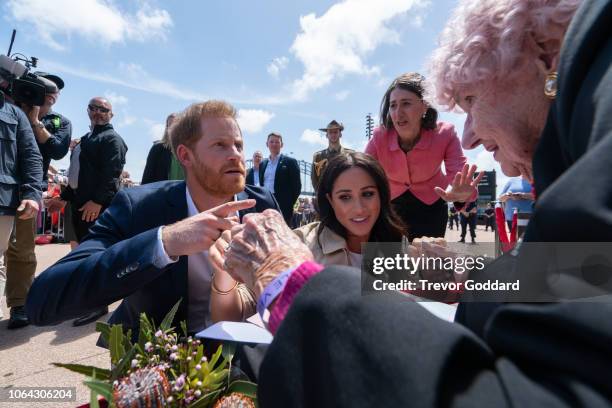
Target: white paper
<point>441,310</point>
<point>240,332</point>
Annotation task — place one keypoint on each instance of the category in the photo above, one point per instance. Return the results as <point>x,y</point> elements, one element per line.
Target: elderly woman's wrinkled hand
<point>261,248</point>
<point>431,248</point>
<point>464,185</point>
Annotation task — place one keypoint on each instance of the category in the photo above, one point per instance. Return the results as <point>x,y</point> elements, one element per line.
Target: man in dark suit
<point>252,176</point>
<point>150,247</point>
<point>281,175</point>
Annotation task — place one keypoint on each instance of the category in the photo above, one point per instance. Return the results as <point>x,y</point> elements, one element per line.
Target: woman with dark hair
<point>354,207</point>
<point>161,164</point>
<point>411,146</point>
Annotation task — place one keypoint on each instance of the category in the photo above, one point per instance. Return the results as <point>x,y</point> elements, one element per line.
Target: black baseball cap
<point>57,80</point>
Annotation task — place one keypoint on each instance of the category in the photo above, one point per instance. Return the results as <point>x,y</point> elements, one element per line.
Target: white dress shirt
<point>256,176</point>
<point>270,173</point>
<point>199,277</point>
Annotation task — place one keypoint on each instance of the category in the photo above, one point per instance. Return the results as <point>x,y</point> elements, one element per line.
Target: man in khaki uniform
<point>320,158</point>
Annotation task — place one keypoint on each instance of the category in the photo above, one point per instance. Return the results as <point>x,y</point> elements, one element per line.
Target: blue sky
<point>288,67</point>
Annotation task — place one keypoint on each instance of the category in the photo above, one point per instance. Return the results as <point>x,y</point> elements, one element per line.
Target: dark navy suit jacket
<point>116,261</point>
<point>287,183</point>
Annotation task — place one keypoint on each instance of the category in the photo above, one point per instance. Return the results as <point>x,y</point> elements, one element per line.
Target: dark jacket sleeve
<point>107,267</point>
<point>57,145</point>
<point>157,167</point>
<point>250,178</point>
<point>112,152</point>
<point>29,159</point>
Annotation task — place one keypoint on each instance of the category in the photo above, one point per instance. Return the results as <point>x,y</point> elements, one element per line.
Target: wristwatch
<point>39,125</point>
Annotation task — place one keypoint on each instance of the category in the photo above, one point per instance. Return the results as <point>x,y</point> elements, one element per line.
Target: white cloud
<point>277,65</point>
<point>156,130</point>
<point>116,99</point>
<point>127,120</point>
<point>337,42</point>
<point>313,137</point>
<point>132,76</point>
<point>99,21</point>
<point>253,120</point>
<point>342,95</point>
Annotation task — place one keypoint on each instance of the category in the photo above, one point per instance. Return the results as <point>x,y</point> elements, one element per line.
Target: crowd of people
<point>534,79</point>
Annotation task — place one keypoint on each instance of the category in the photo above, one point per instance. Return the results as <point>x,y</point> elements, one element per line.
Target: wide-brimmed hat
<point>54,78</point>
<point>333,125</point>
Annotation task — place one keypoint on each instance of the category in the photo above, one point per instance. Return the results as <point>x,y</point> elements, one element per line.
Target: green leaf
<point>165,324</point>
<point>93,396</point>
<point>127,339</point>
<point>145,332</point>
<point>215,357</point>
<point>124,364</point>
<point>184,328</point>
<point>87,370</point>
<point>228,350</point>
<point>116,344</point>
<point>206,400</point>
<point>93,399</point>
<point>244,387</point>
<point>103,388</point>
<point>104,330</point>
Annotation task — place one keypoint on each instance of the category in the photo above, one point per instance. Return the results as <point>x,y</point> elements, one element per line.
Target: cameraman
<point>52,132</point>
<point>20,192</point>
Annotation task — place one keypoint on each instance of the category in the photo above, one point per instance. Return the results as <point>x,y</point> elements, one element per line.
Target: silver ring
<point>227,248</point>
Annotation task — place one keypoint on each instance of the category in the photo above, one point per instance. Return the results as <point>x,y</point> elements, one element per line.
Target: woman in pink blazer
<point>411,146</point>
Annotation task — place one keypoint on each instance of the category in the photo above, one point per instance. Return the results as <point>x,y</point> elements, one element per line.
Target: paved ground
<point>26,354</point>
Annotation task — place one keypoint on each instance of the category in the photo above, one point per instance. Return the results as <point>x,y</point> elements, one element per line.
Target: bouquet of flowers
<point>164,370</point>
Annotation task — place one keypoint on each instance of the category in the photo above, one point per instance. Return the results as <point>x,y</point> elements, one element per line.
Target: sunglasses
<point>96,108</point>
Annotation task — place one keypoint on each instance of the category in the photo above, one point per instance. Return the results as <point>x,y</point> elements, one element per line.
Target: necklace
<point>408,146</point>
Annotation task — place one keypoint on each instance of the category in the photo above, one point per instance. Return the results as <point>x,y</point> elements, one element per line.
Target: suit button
<point>133,267</point>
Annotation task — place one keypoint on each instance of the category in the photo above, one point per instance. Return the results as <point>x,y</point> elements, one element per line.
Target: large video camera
<point>24,87</point>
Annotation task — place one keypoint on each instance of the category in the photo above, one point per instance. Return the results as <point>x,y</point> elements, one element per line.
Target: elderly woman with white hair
<point>535,78</point>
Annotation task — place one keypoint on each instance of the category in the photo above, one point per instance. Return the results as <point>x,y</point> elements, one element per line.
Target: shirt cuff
<point>294,284</point>
<point>161,259</point>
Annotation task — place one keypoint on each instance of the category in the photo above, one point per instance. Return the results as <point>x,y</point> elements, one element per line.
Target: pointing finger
<point>231,207</point>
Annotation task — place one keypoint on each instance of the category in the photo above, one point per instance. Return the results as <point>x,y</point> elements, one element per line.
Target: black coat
<point>287,183</point>
<point>20,159</point>
<point>157,167</point>
<point>101,162</point>
<point>337,347</point>
<point>250,178</point>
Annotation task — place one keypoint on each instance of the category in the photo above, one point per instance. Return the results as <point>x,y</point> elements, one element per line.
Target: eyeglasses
<point>96,108</point>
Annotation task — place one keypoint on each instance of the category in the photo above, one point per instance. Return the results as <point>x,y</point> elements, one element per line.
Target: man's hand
<point>263,248</point>
<point>28,209</point>
<point>54,204</point>
<point>463,186</point>
<point>32,112</point>
<point>91,211</point>
<point>198,233</point>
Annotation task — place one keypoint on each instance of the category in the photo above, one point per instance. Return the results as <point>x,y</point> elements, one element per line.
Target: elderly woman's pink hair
<point>491,40</point>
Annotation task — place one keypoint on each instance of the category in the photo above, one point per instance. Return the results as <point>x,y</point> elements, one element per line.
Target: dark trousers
<point>490,222</point>
<point>422,220</point>
<point>454,218</point>
<point>471,221</point>
<point>81,228</point>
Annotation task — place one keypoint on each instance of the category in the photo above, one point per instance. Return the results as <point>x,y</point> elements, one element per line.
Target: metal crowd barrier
<point>56,231</point>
